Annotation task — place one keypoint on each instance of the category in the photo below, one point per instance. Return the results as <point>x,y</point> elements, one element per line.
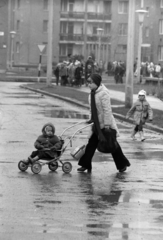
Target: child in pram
<point>47,145</point>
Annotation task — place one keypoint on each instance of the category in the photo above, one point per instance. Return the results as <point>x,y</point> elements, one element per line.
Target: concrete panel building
<point>76,25</point>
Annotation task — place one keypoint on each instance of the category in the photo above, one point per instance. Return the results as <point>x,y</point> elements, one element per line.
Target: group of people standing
<point>76,72</point>
<point>149,69</point>
<point>117,69</point>
<point>69,73</point>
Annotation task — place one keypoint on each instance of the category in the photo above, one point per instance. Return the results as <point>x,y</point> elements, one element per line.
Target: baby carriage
<point>56,162</point>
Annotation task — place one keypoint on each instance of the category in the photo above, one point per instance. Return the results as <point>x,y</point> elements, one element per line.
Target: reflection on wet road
<point>54,205</point>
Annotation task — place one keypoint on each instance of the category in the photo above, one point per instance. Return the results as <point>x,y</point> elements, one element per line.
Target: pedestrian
<point>101,117</point>
<point>46,144</point>
<point>63,73</point>
<point>78,74</point>
<point>89,68</point>
<point>157,70</point>
<point>56,73</point>
<point>141,111</point>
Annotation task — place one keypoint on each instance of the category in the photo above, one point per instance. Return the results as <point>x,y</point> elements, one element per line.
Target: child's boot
<point>142,136</point>
<point>28,161</point>
<point>133,135</point>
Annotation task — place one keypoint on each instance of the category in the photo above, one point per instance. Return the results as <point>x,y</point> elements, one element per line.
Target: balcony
<point>90,16</point>
<point>71,37</point>
<point>80,38</point>
<point>99,16</point>
<point>95,38</point>
<point>75,15</point>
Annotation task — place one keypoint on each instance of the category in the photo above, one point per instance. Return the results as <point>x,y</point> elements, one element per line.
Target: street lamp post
<point>12,48</point>
<point>130,54</point>
<point>141,14</point>
<point>99,33</point>
<point>50,43</point>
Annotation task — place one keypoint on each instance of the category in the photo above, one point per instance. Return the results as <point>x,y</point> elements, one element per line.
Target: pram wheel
<point>67,167</point>
<point>53,166</point>
<point>22,166</point>
<point>36,167</point>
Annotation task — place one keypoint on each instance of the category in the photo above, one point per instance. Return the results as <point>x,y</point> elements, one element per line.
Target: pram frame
<point>37,166</point>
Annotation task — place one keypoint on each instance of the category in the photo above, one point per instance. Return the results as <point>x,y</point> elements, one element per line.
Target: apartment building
<point>3,33</point>
<point>80,27</point>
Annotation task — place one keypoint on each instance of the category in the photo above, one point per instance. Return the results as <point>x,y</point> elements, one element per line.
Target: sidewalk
<point>153,101</point>
<point>70,95</point>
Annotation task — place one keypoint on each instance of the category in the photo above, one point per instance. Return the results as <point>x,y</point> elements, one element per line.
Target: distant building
<point>75,30</point>
<point>3,33</point>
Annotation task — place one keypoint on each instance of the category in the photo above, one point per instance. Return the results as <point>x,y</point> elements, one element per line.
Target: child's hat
<point>142,93</point>
<point>50,125</point>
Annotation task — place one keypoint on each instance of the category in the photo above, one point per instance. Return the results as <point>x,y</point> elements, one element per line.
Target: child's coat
<point>141,111</point>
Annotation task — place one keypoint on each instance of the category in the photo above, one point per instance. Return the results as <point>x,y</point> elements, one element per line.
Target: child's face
<point>141,97</point>
<point>49,131</point>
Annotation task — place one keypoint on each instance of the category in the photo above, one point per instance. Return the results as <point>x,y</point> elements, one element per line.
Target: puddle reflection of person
<point>102,117</point>
<point>102,196</point>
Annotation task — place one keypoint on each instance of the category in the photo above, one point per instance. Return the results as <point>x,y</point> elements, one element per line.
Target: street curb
<point>86,106</point>
<point>70,100</point>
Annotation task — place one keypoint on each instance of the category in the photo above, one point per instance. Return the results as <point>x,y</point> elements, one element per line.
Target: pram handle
<point>70,141</point>
<point>72,127</point>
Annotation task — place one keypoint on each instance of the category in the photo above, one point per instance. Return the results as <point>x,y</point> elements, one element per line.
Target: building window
<point>147,31</point>
<point>161,26</point>
<point>123,7</point>
<point>18,4</point>
<point>71,5</point>
<point>70,49</point>
<point>123,29</point>
<point>45,6</point>
<point>107,7</point>
<point>107,28</point>
<point>45,26</point>
<point>160,53</point>
<point>63,27</point>
<point>63,6</point>
<point>161,3</point>
<point>94,30</point>
<point>121,48</point>
<point>62,50</point>
<point>17,47</point>
<point>18,25</point>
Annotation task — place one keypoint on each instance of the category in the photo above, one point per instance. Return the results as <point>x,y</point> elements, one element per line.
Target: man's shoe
<point>123,169</point>
<point>83,169</point>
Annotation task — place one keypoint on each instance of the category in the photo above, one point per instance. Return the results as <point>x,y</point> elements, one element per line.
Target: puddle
<point>55,113</point>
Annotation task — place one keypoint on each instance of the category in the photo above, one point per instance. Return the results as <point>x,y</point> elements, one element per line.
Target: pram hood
<point>48,124</point>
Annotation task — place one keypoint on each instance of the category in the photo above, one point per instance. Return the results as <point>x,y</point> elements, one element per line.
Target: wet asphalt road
<point>58,206</point>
